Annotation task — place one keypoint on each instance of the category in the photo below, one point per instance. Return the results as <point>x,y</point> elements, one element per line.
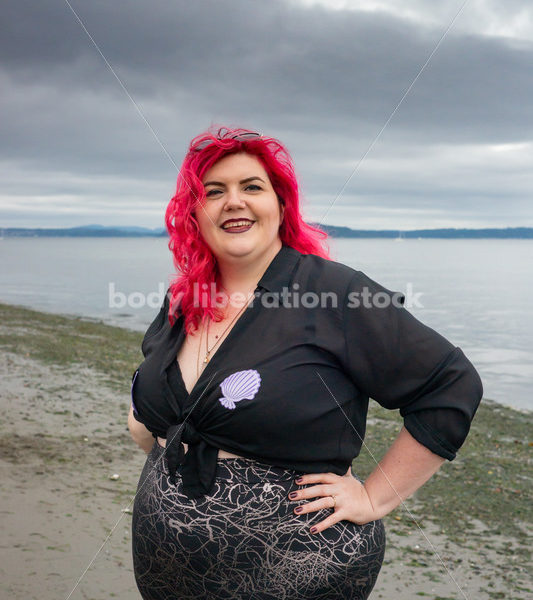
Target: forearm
<point>145,443</point>
<point>406,466</point>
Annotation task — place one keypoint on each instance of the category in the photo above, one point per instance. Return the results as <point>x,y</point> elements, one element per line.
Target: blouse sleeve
<point>403,364</point>
<point>157,323</point>
<point>142,410</point>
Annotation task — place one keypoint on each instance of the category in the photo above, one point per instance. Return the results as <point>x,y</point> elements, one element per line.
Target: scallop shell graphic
<point>242,385</point>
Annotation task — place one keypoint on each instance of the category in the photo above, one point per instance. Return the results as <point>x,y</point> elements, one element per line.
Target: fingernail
<point>299,480</point>
<point>292,495</point>
<point>298,509</point>
<point>313,529</point>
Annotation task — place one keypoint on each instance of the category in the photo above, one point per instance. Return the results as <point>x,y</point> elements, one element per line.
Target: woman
<point>255,384</point>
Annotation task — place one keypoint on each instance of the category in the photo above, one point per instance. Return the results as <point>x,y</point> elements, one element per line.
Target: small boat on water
<point>400,237</point>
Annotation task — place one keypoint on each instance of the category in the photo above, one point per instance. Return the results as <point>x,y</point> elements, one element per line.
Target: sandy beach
<point>69,471</point>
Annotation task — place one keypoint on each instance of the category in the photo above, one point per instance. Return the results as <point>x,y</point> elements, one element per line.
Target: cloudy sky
<point>323,76</point>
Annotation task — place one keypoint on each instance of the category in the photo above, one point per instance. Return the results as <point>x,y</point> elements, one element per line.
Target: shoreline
<point>500,376</point>
<point>66,393</point>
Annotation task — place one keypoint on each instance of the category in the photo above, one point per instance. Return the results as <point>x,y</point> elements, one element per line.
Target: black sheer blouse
<point>290,384</point>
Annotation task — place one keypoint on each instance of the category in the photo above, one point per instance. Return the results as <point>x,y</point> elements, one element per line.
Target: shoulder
<point>158,324</point>
<point>317,272</point>
<point>348,284</point>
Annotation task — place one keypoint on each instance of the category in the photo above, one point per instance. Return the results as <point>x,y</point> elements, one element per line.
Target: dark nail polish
<point>292,495</point>
<point>299,480</point>
<point>299,509</point>
<point>313,529</point>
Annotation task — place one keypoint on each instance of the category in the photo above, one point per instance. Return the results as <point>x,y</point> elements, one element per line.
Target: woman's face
<point>238,189</point>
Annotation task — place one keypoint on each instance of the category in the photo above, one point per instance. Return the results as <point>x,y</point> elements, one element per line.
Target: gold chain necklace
<point>209,350</point>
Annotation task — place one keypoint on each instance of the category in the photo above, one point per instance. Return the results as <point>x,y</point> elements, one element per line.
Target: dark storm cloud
<point>323,81</point>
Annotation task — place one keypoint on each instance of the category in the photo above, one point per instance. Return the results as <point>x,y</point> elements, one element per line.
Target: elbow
<point>468,384</point>
<point>441,420</point>
<point>475,385</point>
<point>469,393</point>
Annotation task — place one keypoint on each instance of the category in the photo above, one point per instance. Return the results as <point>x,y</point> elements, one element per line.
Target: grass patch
<point>69,341</point>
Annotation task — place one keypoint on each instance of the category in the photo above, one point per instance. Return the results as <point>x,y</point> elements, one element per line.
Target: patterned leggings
<point>243,542</point>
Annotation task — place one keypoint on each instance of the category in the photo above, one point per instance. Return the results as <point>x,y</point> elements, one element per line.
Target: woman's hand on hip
<point>351,499</point>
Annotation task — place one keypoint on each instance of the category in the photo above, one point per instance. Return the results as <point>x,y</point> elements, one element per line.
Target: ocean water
<point>477,293</point>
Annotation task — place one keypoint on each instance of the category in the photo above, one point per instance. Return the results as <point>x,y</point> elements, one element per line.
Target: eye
<point>251,187</point>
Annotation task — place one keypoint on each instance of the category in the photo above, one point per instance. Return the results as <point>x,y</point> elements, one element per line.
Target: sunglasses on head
<point>241,137</point>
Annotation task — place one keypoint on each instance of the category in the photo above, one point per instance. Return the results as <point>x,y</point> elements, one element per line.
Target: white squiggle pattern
<point>244,542</point>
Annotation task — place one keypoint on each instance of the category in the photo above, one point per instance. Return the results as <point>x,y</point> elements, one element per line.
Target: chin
<point>236,248</point>
<point>242,250</point>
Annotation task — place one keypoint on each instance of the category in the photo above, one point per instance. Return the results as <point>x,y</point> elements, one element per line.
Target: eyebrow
<point>241,181</point>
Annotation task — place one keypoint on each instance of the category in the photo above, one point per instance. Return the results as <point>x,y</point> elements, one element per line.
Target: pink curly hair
<point>192,257</point>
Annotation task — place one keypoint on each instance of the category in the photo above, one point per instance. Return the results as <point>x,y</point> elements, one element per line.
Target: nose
<point>234,199</point>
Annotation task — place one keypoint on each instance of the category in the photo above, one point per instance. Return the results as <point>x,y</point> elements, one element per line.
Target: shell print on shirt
<point>242,385</point>
<point>308,374</point>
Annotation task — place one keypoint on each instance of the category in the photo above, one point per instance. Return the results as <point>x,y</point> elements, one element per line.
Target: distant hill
<point>503,233</point>
<point>332,230</point>
<point>84,231</point>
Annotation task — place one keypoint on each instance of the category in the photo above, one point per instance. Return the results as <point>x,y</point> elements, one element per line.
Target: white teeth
<point>237,224</point>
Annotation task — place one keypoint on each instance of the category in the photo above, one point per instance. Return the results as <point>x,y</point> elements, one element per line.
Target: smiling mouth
<point>238,226</point>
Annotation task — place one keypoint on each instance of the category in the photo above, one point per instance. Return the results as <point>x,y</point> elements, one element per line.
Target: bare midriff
<point>221,453</point>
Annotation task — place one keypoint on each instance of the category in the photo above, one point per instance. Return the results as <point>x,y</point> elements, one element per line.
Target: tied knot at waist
<point>185,431</point>
<point>198,463</point>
